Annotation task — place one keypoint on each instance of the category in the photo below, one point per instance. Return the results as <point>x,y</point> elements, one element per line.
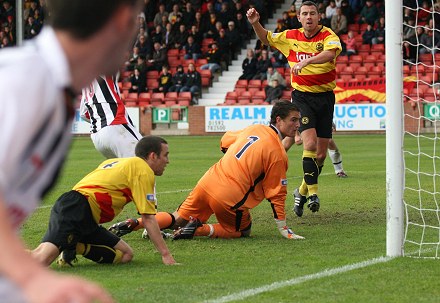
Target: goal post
<point>413,133</point>
<point>394,128</point>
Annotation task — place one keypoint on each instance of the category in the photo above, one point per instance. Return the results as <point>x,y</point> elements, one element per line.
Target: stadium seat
<point>253,90</point>
<point>231,95</point>
<point>370,58</point>
<point>256,83</point>
<point>157,99</point>
<point>375,72</point>
<point>348,70</point>
<point>364,49</point>
<point>246,95</point>
<point>173,52</point>
<point>355,65</point>
<point>355,58</point>
<point>206,75</point>
<point>131,99</point>
<point>230,101</point>
<point>354,27</point>
<point>152,83</point>
<point>184,96</point>
<point>239,90</point>
<point>144,99</point>
<point>244,101</point>
<point>152,74</point>
<point>171,98</point>
<point>241,83</point>
<point>342,59</point>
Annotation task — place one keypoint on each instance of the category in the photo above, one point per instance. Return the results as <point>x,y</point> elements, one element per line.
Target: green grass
<point>349,228</point>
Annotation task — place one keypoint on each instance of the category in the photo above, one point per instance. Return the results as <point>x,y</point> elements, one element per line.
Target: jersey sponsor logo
<point>319,47</point>
<point>284,182</point>
<point>150,197</point>
<point>303,56</point>
<point>275,35</point>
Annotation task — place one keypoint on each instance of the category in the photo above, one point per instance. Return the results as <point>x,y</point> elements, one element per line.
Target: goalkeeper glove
<point>285,231</point>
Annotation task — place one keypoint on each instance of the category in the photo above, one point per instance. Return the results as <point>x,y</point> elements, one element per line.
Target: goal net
<point>421,139</point>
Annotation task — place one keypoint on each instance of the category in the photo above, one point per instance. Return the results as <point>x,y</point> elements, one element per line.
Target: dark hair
<point>149,144</point>
<point>309,3</point>
<point>83,18</point>
<point>282,109</point>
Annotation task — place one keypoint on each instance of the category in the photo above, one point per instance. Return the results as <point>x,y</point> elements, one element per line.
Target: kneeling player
<point>98,198</point>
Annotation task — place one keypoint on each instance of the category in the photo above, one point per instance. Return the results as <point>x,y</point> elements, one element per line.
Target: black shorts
<point>71,221</point>
<point>316,111</point>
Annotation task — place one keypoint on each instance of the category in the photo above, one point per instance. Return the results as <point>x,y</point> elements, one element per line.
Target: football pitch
<point>342,258</point>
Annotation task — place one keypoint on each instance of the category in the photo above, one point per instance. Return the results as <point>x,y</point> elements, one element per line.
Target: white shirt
<point>35,123</point>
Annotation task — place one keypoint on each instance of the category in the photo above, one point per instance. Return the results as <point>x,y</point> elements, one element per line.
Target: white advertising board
<point>347,117</point>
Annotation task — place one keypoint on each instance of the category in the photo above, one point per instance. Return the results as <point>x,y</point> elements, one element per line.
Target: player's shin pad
<point>311,170</point>
<point>102,254</point>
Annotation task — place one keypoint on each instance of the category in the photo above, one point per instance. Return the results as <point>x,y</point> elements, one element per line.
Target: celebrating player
<point>311,52</point>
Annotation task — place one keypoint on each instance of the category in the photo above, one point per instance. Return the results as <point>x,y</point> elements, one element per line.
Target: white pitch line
<point>276,285</point>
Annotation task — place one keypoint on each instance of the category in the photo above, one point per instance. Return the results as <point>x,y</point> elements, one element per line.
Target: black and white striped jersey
<point>35,122</point>
<point>102,105</point>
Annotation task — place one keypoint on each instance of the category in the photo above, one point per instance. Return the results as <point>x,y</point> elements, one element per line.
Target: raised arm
<point>254,19</point>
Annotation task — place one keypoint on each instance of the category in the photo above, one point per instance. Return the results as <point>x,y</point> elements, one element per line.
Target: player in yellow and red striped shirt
<point>311,52</point>
<point>99,197</point>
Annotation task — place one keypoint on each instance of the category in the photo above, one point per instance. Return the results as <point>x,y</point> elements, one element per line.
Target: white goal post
<point>394,128</point>
<point>412,50</point>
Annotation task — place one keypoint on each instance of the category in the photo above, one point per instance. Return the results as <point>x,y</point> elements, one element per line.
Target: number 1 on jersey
<point>252,140</point>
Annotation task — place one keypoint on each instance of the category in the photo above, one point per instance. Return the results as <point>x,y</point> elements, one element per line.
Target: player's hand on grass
<point>286,232</point>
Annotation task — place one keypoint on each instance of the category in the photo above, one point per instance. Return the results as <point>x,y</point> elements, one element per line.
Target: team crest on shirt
<point>319,47</point>
<point>305,120</point>
<point>284,182</point>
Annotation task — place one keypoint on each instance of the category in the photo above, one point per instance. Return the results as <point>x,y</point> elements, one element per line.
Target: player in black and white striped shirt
<point>36,112</point>
<point>111,128</point>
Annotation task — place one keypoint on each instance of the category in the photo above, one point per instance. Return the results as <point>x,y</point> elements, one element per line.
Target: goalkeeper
<point>253,169</point>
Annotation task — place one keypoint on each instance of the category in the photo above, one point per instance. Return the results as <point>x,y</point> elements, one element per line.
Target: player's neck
<point>310,34</point>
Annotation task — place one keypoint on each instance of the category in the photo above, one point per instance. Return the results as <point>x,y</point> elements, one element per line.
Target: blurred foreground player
<point>35,129</point>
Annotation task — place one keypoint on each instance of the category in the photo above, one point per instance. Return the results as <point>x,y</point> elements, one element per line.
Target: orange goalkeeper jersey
<point>253,168</point>
<point>296,47</point>
<point>117,182</point>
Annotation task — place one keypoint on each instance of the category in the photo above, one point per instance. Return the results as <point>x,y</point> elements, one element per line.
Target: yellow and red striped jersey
<point>296,47</point>
<point>116,182</point>
<point>253,168</point>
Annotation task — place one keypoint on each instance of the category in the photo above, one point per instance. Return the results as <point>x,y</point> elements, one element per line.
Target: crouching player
<point>253,169</point>
<point>99,197</point>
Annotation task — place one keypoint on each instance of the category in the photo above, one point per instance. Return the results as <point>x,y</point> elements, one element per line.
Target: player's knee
<point>45,253</point>
<point>320,158</point>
